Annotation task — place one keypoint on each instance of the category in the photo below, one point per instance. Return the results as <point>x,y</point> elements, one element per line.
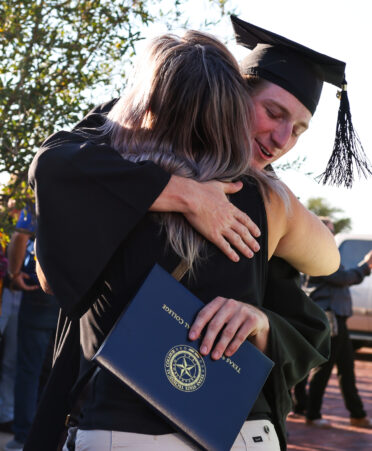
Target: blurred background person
<point>32,324</point>
<point>10,302</point>
<point>332,294</point>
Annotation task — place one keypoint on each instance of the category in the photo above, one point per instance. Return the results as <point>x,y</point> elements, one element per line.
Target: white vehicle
<point>352,249</point>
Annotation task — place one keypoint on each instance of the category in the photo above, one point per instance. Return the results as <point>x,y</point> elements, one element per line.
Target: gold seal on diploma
<point>185,368</point>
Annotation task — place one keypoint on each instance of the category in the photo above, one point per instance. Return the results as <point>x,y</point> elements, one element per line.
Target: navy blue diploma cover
<point>148,350</point>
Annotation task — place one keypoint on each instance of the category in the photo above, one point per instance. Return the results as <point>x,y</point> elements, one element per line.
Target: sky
<point>340,29</point>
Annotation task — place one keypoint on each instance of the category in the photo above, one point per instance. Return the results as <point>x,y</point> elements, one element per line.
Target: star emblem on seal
<point>185,368</point>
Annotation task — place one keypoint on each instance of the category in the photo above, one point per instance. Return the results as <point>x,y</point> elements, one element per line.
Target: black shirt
<point>110,404</point>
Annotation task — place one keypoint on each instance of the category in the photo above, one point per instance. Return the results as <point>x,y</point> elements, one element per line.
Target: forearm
<point>177,196</point>
<point>17,252</point>
<point>42,279</point>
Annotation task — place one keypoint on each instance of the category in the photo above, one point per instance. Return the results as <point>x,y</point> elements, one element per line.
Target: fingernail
<point>236,258</point>
<point>256,247</point>
<point>257,233</point>
<point>204,350</point>
<point>192,335</point>
<point>216,355</point>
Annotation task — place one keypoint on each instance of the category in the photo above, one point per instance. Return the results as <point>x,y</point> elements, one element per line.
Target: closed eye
<point>271,114</point>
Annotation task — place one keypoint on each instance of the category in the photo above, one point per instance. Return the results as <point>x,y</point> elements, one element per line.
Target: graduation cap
<point>302,71</point>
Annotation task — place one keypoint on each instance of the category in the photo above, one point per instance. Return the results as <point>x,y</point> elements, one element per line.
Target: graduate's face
<point>280,118</point>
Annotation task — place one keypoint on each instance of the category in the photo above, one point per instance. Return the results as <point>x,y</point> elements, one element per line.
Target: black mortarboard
<point>302,71</point>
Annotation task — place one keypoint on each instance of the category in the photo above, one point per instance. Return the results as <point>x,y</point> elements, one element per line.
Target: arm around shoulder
<point>298,236</point>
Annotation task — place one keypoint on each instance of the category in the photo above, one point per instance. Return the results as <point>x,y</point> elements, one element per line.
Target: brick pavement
<point>342,436</point>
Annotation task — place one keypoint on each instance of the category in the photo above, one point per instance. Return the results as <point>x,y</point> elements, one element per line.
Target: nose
<point>281,135</point>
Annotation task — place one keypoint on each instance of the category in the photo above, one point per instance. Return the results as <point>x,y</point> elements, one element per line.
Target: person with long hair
<point>190,113</point>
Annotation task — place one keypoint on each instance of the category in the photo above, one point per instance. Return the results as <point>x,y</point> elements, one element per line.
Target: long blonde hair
<point>188,111</point>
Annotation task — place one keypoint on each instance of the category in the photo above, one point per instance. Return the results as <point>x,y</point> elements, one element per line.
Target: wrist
<point>177,196</point>
<point>266,322</point>
<point>185,194</point>
<point>13,275</point>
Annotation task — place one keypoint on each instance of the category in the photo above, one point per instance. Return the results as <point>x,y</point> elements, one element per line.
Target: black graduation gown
<point>114,195</point>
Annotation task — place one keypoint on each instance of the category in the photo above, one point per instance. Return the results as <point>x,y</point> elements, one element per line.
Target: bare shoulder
<point>298,236</point>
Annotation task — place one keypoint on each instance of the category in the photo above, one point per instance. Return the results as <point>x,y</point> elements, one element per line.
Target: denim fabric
<point>38,309</point>
<point>8,328</point>
<point>32,347</point>
<point>36,326</point>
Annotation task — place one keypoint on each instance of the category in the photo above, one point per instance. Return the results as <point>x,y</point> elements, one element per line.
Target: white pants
<point>254,435</point>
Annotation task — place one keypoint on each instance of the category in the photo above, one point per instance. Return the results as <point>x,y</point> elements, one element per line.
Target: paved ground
<point>342,437</point>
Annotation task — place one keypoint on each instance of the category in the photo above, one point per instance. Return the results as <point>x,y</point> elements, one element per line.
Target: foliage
<point>56,54</point>
<point>321,207</point>
<point>18,194</point>
<point>52,53</point>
